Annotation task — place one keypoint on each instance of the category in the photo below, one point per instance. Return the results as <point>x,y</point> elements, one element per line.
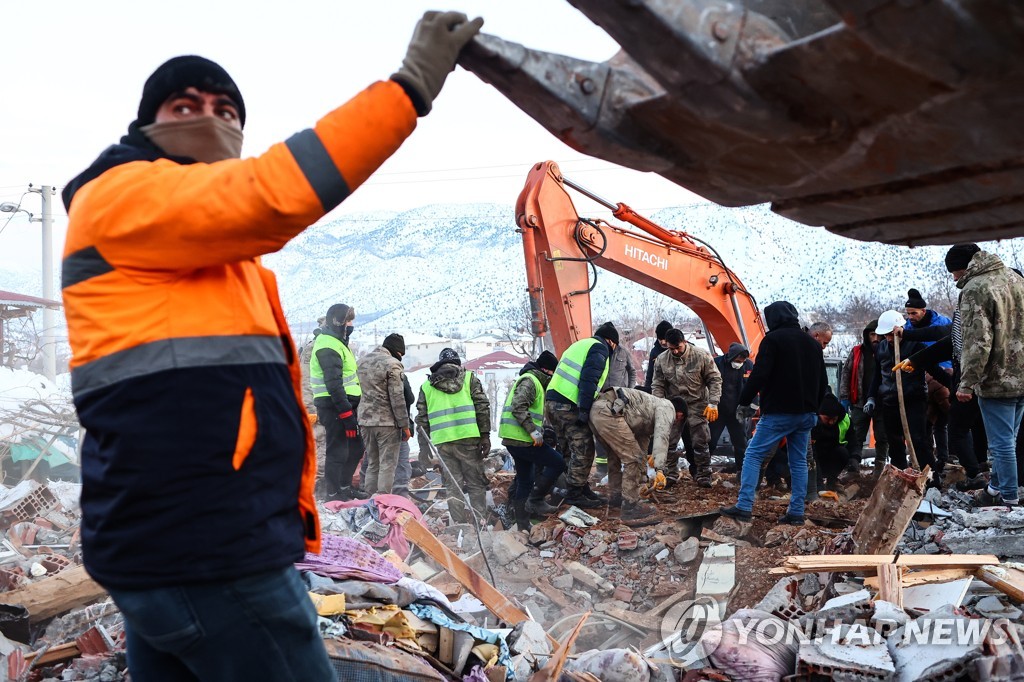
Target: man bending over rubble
<point>198,461</point>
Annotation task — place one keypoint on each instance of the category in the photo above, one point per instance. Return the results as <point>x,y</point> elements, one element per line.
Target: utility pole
<point>49,317</point>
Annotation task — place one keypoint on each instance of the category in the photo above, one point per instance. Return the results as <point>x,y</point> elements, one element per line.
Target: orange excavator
<point>562,249</point>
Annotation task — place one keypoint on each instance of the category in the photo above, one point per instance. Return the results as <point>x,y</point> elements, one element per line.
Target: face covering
<point>205,138</point>
<point>348,331</point>
<point>736,365</point>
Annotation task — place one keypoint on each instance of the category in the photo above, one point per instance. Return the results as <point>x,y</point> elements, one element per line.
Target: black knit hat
<point>831,407</point>
<point>547,360</point>
<point>180,73</point>
<point>915,300</point>
<point>449,355</point>
<point>395,343</point>
<point>608,331</point>
<point>959,256</point>
<point>662,329</point>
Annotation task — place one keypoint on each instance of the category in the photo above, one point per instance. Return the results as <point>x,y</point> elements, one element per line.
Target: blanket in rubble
<point>375,520</point>
<point>347,558</point>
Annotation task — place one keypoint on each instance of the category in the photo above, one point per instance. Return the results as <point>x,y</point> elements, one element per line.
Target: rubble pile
<point>945,523</point>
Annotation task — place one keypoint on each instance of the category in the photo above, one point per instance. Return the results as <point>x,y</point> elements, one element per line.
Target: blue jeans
<point>548,462</point>
<point>260,627</point>
<point>1002,420</point>
<point>772,428</point>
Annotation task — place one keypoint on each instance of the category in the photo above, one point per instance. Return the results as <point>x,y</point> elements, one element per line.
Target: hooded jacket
<point>449,378</point>
<point>198,462</point>
<point>525,394</point>
<point>992,317</point>
<point>333,366</point>
<point>789,373</point>
<point>828,437</point>
<point>692,375</point>
<point>733,380</point>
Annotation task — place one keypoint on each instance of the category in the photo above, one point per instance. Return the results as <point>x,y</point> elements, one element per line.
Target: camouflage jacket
<point>449,378</point>
<point>648,417</point>
<point>383,400</point>
<point>305,353</point>
<point>525,394</point>
<point>992,322</point>
<point>693,375</point>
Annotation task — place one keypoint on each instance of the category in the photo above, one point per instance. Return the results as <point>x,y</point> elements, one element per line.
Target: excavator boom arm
<point>560,248</point>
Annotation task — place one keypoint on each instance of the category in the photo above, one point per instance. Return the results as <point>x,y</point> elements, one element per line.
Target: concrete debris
<point>849,652</point>
<point>934,656</point>
<point>887,617</point>
<point>686,551</point>
<point>563,581</point>
<point>994,608</point>
<point>506,547</point>
<point>574,516</point>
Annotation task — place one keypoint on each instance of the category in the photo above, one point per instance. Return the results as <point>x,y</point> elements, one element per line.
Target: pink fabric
<point>389,508</point>
<point>346,558</point>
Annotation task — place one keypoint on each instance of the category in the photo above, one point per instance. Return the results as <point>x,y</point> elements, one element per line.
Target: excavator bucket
<point>883,120</point>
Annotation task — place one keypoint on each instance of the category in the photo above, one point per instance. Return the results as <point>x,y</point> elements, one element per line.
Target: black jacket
<point>789,373</point>
<point>655,352</point>
<point>733,380</point>
<point>915,387</point>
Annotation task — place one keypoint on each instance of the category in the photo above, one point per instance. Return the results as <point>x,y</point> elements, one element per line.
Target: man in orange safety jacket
<point>198,462</point>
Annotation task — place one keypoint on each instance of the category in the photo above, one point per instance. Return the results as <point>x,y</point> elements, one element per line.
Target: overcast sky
<point>73,73</point>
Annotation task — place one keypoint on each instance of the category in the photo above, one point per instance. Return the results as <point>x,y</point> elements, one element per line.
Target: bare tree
<point>516,323</point>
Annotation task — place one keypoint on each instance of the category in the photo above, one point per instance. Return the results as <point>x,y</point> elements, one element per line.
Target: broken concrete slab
<point>687,551</point>
<point>932,644</point>
<point>1000,544</point>
<point>933,596</point>
<point>716,576</point>
<point>849,652</point>
<point>574,516</point>
<point>589,577</point>
<point>506,547</point>
<point>562,582</point>
<point>887,617</point>
<point>993,607</point>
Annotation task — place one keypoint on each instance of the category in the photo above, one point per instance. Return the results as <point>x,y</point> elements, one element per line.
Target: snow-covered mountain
<point>440,269</point>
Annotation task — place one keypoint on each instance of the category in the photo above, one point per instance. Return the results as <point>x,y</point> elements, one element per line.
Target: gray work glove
<point>435,45</point>
<point>869,407</point>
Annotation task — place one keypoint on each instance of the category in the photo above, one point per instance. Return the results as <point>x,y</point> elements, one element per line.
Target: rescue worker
<point>336,395</point>
<point>854,386</point>
<point>828,440</point>
<point>620,373</point>
<point>319,433</point>
<point>735,367</point>
<point>884,395</point>
<point>919,317</point>
<point>582,369</point>
<point>659,347</point>
<point>690,373</point>
<point>790,377</point>
<point>522,433</point>
<point>627,421</point>
<point>198,460</point>
<point>383,413</point>
<point>453,411</point>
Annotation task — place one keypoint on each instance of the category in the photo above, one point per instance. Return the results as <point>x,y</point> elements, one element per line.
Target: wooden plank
<point>1009,581</point>
<point>869,563</point>
<point>892,505</point>
<point>446,646</point>
<point>639,620</point>
<point>55,595</point>
<point>495,601</point>
<point>912,578</point>
<point>56,654</point>
<point>890,589</point>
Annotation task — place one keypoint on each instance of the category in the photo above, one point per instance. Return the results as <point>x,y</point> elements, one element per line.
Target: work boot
<point>536,504</point>
<point>522,516</point>
<point>984,498</point>
<point>974,483</point>
<point>791,519</point>
<point>704,481</point>
<point>615,500</point>
<point>591,495</point>
<point>636,511</point>
<point>576,497</point>
<point>350,492</point>
<point>736,513</point>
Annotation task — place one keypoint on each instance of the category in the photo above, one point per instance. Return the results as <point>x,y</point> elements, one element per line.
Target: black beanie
<point>547,360</point>
<point>180,73</point>
<point>662,329</point>
<point>831,407</point>
<point>915,300</point>
<point>959,256</point>
<point>395,343</point>
<point>679,402</point>
<point>608,331</point>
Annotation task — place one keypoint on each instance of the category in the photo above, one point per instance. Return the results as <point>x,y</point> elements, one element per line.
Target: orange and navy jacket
<point>198,462</point>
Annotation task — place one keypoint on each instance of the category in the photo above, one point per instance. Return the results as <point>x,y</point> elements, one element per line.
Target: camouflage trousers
<point>464,470</point>
<point>700,436</point>
<point>575,441</point>
<point>382,446</point>
<point>626,455</point>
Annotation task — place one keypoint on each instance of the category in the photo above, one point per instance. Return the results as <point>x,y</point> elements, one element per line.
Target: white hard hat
<point>888,320</point>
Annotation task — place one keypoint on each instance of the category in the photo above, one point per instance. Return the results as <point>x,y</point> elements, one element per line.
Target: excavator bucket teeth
<point>883,121</point>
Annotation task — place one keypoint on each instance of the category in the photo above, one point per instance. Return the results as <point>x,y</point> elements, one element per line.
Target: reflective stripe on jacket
<point>349,378</point>
<point>510,426</point>
<point>452,416</point>
<point>566,381</point>
<point>198,460</point>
